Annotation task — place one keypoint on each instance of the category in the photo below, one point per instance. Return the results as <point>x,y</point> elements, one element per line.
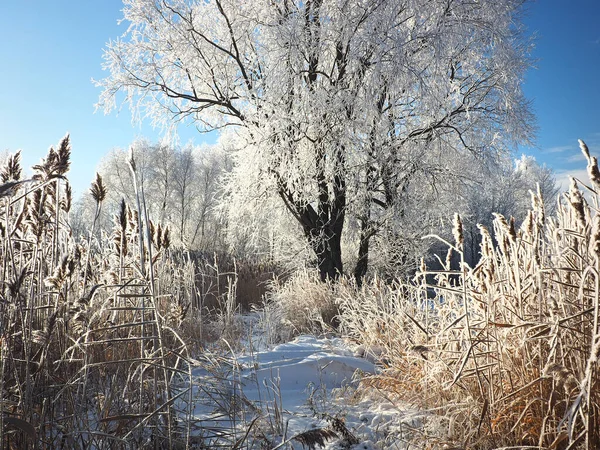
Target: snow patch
<point>304,385</point>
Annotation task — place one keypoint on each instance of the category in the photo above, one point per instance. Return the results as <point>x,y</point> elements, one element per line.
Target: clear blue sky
<point>565,85</point>
<point>51,49</point>
<point>49,52</point>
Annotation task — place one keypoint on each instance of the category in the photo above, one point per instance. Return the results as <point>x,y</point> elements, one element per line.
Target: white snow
<point>302,385</point>
<point>300,364</point>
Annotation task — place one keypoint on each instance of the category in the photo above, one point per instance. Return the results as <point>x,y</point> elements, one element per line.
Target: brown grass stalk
<point>515,339</point>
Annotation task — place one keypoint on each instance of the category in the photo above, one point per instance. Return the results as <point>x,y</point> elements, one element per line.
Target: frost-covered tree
<point>503,188</point>
<point>180,188</point>
<point>339,106</point>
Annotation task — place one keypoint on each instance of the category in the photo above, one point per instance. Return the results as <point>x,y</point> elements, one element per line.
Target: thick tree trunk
<point>329,258</point>
<point>323,230</point>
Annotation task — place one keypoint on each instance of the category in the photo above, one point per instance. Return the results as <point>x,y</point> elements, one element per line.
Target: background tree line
<point>180,187</point>
<point>186,190</point>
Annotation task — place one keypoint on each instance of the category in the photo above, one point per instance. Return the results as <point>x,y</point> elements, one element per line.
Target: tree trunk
<point>323,229</point>
<point>329,258</point>
<point>362,264</point>
<point>366,225</point>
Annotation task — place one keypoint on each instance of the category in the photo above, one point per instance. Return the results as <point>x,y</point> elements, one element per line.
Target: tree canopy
<point>340,107</point>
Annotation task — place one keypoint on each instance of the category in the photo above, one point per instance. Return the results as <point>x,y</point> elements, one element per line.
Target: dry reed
<point>504,353</point>
<point>92,333</point>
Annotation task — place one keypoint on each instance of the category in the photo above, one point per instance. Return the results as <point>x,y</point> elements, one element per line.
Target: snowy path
<point>301,386</point>
<point>300,365</point>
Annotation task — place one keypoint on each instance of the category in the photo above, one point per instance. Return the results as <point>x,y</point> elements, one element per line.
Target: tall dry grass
<point>93,351</point>
<point>503,354</point>
<point>302,303</point>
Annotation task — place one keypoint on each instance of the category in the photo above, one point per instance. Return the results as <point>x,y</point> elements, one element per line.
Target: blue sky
<point>49,52</point>
<point>564,86</point>
<point>51,49</point>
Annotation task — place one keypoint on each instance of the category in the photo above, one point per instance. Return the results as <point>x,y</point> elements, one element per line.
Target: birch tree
<point>180,191</point>
<point>341,106</point>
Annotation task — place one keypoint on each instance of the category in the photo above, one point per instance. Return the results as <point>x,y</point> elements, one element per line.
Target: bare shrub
<point>216,272</point>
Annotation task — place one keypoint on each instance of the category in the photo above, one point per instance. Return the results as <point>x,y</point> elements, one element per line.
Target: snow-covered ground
<point>294,393</point>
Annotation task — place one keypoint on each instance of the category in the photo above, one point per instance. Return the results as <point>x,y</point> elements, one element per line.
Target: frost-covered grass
<point>101,349</point>
<point>504,353</point>
<point>93,333</point>
<point>303,303</point>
